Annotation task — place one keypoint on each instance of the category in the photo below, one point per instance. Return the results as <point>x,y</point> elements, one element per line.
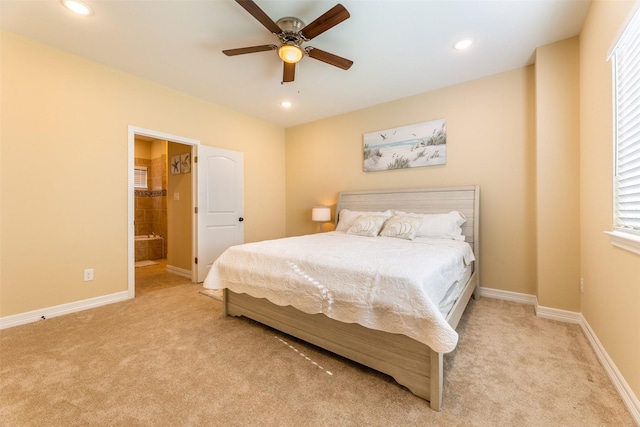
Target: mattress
<point>446,304</point>
<point>384,283</point>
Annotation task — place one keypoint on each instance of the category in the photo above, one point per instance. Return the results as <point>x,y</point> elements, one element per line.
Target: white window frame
<point>625,60</point>
<point>140,178</point>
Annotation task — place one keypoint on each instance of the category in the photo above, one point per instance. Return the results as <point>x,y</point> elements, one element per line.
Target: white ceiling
<point>399,47</point>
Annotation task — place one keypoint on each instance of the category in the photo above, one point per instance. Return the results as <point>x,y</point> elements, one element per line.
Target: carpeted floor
<point>169,358</point>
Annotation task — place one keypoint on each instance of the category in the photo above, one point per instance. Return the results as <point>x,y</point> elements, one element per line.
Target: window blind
<point>140,177</point>
<point>626,67</point>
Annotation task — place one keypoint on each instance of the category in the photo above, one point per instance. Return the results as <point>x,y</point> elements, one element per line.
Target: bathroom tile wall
<point>151,206</point>
<point>149,249</point>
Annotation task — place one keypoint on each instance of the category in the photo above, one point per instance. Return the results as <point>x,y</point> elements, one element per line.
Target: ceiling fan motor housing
<point>290,34</point>
<point>290,24</point>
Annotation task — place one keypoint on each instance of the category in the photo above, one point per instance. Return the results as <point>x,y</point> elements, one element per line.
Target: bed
<point>323,314</point>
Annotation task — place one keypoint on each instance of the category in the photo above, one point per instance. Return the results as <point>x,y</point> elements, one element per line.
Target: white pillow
<point>440,226</point>
<point>367,225</point>
<point>402,226</point>
<point>346,218</point>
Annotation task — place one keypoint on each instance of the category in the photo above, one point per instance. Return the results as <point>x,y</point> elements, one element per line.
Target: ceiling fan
<point>292,33</point>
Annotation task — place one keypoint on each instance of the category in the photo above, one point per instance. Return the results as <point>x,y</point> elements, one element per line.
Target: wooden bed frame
<point>410,363</point>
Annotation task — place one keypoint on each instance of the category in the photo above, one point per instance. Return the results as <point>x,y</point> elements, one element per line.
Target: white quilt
<point>382,283</point>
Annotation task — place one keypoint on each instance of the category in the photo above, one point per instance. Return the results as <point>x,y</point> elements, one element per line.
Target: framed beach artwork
<point>175,165</point>
<point>185,163</point>
<point>412,146</point>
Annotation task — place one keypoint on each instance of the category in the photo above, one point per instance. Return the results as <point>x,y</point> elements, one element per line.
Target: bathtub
<point>149,247</point>
<point>147,237</point>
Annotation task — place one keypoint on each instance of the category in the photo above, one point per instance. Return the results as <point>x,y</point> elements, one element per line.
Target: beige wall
<point>64,129</point>
<point>142,149</point>
<point>611,275</point>
<point>180,214</point>
<point>490,142</point>
<point>557,175</point>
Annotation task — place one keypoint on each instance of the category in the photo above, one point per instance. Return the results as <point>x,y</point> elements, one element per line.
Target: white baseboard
<point>180,272</point>
<point>508,296</point>
<point>59,310</point>
<point>627,395</point>
<point>559,315</point>
<point>621,385</point>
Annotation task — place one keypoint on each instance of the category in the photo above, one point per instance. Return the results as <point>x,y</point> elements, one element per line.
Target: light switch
<point>176,196</point>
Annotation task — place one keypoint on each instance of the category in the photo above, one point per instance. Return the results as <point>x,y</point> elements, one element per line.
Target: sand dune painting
<point>417,145</point>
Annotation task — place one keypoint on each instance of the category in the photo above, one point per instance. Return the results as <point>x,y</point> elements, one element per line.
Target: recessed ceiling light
<point>463,44</point>
<point>77,7</point>
<point>286,104</point>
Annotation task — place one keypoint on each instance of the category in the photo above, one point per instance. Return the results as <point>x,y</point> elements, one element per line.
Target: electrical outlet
<point>88,274</point>
<point>582,285</point>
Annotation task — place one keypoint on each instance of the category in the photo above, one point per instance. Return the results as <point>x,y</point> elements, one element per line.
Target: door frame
<point>132,132</point>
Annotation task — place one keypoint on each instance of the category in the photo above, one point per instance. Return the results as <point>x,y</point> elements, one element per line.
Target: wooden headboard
<point>422,200</point>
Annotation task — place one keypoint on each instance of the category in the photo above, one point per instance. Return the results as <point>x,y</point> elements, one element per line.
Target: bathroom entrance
<point>162,213</point>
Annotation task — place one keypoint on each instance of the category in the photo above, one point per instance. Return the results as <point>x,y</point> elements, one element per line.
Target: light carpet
<point>169,358</point>
<point>213,293</point>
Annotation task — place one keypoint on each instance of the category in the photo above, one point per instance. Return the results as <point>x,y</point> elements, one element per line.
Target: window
<point>626,121</point>
<point>140,177</point>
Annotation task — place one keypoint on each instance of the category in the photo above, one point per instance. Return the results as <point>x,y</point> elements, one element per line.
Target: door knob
<point>240,219</point>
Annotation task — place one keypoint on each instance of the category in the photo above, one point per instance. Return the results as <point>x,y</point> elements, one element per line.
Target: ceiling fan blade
<point>251,49</point>
<point>329,19</point>
<point>289,72</point>
<point>329,58</point>
<point>259,14</point>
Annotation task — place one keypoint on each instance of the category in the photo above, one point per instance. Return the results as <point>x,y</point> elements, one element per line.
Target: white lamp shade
<point>321,214</point>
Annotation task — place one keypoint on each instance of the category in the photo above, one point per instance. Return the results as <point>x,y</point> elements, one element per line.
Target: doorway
<point>163,200</point>
<point>157,236</point>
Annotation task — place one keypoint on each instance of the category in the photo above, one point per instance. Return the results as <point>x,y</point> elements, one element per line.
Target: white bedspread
<point>382,283</point>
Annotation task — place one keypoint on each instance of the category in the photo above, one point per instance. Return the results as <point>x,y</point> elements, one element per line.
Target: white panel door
<point>220,205</point>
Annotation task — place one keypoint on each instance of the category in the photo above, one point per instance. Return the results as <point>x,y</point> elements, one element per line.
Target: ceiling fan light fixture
<point>292,34</point>
<point>290,53</point>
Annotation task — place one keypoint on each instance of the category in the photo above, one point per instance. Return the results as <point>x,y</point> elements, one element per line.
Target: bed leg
<point>476,293</point>
<point>225,302</point>
<point>437,380</point>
